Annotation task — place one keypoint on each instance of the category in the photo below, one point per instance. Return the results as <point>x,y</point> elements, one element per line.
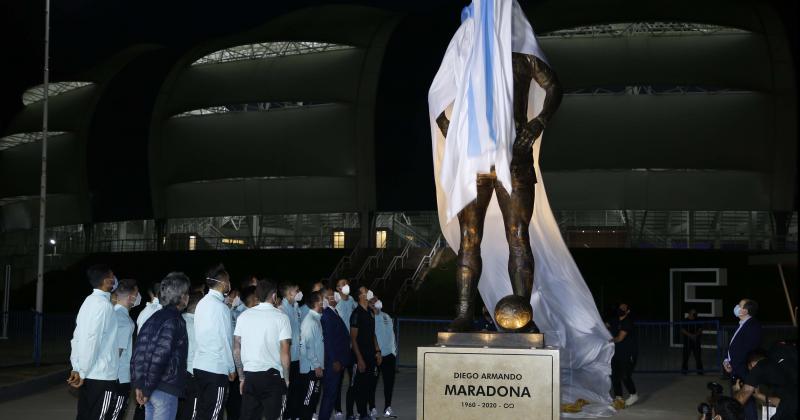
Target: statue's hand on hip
<point>443,123</point>
<point>526,136</point>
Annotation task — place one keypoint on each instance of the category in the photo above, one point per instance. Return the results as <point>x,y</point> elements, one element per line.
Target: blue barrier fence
<point>659,342</point>
<point>19,345</point>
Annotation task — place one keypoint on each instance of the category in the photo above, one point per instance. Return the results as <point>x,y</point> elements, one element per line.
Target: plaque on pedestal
<point>491,339</point>
<point>487,376</point>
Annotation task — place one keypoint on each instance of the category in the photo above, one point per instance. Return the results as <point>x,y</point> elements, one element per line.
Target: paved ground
<point>663,397</point>
<point>16,374</point>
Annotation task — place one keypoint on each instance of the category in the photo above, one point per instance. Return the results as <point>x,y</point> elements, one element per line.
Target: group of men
<point>262,350</point>
<point>769,377</point>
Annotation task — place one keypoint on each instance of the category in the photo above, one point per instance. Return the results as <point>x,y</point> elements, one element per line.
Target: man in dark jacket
<point>746,338</point>
<point>336,342</point>
<point>159,360</point>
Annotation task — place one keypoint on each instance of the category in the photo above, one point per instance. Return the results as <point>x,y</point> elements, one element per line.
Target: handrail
<point>372,259</point>
<point>404,229</point>
<point>345,260</point>
<point>416,279</point>
<point>336,270</point>
<point>364,267</point>
<point>392,265</point>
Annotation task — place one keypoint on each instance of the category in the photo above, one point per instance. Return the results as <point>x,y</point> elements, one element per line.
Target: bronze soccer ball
<point>513,312</point>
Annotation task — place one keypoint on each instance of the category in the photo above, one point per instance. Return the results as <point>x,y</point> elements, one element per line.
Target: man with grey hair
<point>127,296</point>
<point>151,307</point>
<point>187,409</point>
<point>159,360</point>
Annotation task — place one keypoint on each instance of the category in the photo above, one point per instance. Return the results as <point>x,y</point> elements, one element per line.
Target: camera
<point>715,388</point>
<point>704,408</point>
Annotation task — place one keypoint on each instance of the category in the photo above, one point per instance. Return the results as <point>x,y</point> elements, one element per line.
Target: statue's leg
<point>517,209</point>
<point>468,263</point>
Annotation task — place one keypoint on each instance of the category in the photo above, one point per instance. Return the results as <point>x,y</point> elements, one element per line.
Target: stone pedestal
<point>487,376</point>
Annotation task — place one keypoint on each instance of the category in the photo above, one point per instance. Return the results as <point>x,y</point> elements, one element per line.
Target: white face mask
<point>236,302</point>
<point>220,281</point>
<point>737,310</point>
<point>337,297</point>
<point>298,297</point>
<point>137,301</point>
<point>325,303</point>
<point>116,284</point>
<point>346,290</point>
<point>379,305</point>
<point>370,295</point>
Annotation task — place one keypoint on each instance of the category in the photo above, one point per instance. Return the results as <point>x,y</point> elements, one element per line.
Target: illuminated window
<point>192,243</point>
<point>338,239</point>
<point>380,238</point>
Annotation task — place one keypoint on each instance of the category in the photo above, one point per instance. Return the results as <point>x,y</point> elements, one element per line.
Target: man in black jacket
<point>776,374</point>
<point>366,350</point>
<point>159,359</point>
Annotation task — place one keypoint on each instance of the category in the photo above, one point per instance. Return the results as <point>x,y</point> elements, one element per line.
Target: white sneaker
<point>339,415</point>
<point>631,399</point>
<point>389,412</point>
<point>373,413</point>
<point>314,416</point>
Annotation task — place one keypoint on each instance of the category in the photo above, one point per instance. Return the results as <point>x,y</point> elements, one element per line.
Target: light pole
<point>53,242</point>
<point>37,345</point>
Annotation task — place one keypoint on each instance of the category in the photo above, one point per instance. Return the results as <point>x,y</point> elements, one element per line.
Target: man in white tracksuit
<point>213,357</point>
<point>94,355</point>
<point>127,296</point>
<point>312,356</point>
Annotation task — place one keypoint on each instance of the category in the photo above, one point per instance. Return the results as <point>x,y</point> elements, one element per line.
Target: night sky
<point>85,33</point>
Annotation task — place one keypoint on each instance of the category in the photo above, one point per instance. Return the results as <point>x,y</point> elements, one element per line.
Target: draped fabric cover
<point>474,88</point>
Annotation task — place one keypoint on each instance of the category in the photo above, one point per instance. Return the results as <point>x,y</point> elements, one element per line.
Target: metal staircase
<point>345,263</point>
<point>397,262</point>
<point>393,270</point>
<point>414,282</point>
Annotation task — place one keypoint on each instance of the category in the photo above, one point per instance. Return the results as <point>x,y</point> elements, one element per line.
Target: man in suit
<point>336,342</point>
<point>745,339</point>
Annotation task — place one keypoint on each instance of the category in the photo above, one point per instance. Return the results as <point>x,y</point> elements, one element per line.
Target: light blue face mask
<point>116,284</point>
<point>737,310</point>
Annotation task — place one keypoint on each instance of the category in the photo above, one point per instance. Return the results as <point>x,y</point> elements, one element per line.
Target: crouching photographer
<point>720,407</point>
<point>772,380</point>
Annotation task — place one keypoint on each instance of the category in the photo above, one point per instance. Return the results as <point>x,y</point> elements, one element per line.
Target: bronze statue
<point>516,206</point>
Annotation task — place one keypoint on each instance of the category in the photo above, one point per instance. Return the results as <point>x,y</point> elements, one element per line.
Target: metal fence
<point>659,343</point>
<point>19,345</point>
